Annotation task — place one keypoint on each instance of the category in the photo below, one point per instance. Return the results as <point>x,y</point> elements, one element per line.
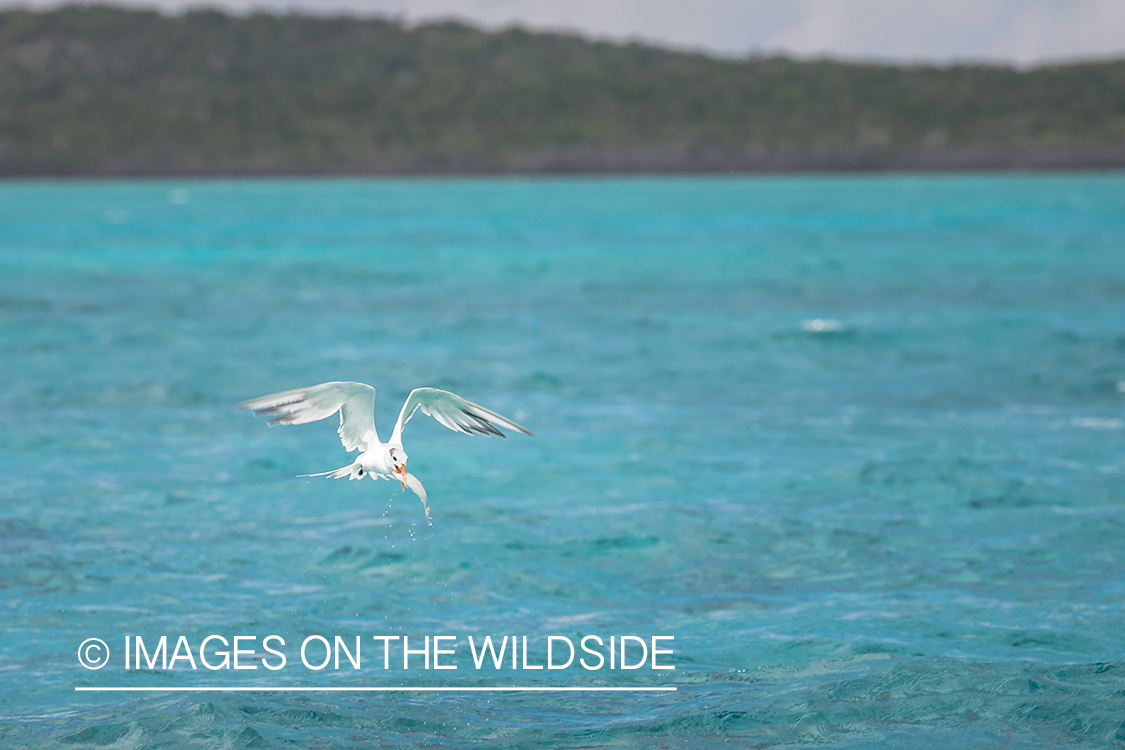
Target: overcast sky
<point>1017,31</point>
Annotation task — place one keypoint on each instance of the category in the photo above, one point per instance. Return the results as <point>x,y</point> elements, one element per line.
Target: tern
<point>356,404</point>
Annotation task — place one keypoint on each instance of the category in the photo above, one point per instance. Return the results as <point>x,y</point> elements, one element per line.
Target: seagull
<point>356,404</point>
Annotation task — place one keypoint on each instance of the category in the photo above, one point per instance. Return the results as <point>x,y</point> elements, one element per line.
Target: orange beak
<point>402,471</point>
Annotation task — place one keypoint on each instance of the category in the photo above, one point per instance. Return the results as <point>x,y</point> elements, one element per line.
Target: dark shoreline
<point>624,160</point>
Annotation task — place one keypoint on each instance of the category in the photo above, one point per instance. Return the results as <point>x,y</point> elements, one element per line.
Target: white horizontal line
<point>251,689</point>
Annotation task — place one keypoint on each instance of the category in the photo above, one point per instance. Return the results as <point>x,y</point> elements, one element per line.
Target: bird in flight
<point>356,404</point>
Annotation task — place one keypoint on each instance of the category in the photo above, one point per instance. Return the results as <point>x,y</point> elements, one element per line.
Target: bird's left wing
<point>454,412</point>
<point>354,401</point>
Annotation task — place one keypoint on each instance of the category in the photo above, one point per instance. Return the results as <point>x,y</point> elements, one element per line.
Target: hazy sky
<point>1019,31</point>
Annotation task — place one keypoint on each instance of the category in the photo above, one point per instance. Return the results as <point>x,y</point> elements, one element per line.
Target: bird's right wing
<point>454,412</point>
<point>354,401</point>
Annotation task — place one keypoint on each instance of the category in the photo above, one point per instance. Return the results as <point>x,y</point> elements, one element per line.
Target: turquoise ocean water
<point>857,443</point>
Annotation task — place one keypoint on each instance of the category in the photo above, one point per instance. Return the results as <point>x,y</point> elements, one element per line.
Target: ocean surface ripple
<point>858,443</point>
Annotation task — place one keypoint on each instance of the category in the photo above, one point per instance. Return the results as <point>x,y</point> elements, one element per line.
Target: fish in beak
<point>402,477</point>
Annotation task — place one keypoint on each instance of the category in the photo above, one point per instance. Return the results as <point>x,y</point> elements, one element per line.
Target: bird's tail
<point>355,471</point>
<point>351,471</point>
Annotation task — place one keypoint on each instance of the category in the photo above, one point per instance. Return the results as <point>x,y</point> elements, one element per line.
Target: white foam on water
<point>1098,423</point>
<point>822,325</point>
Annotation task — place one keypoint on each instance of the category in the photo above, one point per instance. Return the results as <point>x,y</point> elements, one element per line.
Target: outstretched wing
<point>354,401</point>
<point>454,412</point>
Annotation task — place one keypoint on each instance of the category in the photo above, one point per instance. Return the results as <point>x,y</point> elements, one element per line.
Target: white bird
<point>356,404</point>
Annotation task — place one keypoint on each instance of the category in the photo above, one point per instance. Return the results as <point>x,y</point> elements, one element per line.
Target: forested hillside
<point>102,90</point>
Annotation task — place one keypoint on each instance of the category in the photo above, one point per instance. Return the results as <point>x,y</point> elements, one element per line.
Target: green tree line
<point>99,88</point>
